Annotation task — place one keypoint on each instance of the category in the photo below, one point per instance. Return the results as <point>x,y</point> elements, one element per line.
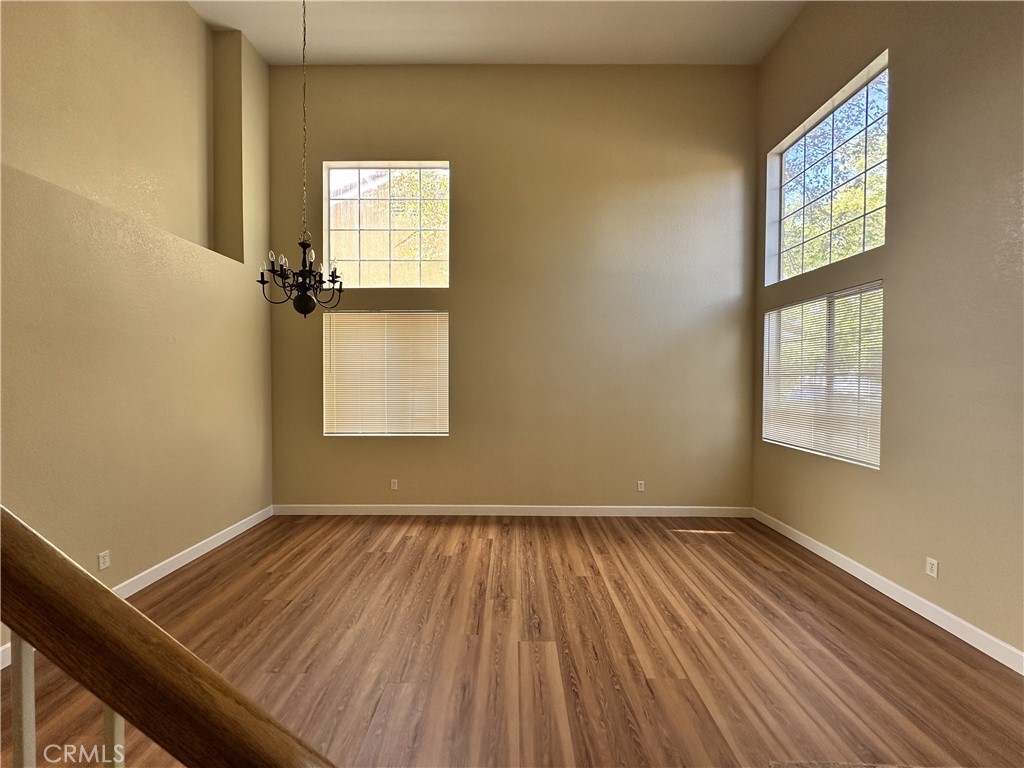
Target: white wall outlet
<point>104,558</point>
<point>931,567</point>
<point>394,485</point>
<point>640,486</point>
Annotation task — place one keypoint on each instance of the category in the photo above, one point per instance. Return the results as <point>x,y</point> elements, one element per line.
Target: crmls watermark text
<point>72,754</point>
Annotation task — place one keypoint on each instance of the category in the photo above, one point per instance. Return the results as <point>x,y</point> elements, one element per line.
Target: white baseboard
<point>509,510</point>
<point>992,646</point>
<point>170,565</point>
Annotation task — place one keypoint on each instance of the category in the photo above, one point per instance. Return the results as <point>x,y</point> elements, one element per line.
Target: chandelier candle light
<point>305,287</point>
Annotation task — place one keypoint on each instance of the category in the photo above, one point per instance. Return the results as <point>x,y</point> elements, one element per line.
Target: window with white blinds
<point>823,375</point>
<point>386,373</point>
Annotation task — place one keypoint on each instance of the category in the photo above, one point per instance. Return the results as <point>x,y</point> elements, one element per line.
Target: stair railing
<point>129,663</point>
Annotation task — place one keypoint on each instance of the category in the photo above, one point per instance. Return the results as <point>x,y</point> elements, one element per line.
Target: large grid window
<point>833,184</point>
<point>823,375</point>
<point>386,225</point>
<point>386,373</point>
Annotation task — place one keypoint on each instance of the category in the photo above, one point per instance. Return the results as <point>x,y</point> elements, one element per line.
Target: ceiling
<point>507,31</point>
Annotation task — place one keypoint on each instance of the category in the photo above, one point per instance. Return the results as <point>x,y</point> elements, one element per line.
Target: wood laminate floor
<point>454,641</point>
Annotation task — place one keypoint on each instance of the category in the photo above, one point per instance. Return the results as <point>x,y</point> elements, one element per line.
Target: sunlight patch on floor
<point>688,530</point>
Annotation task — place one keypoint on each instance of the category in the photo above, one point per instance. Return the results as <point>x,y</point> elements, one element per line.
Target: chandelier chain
<point>305,231</point>
<point>307,284</point>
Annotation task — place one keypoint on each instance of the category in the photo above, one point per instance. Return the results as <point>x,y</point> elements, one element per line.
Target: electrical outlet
<point>104,558</point>
<point>931,567</point>
<point>640,486</point>
<point>394,485</point>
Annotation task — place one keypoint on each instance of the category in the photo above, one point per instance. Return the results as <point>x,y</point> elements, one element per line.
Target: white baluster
<point>113,738</point>
<point>23,702</point>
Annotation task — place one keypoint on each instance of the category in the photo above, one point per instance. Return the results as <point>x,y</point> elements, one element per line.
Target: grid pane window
<point>387,227</point>
<point>833,184</point>
<point>823,375</point>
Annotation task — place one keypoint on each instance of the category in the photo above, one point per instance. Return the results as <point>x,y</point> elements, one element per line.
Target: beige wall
<point>110,101</point>
<point>136,375</point>
<point>241,136</point>
<point>951,452</point>
<point>255,166</point>
<point>602,226</point>
<point>228,186</point>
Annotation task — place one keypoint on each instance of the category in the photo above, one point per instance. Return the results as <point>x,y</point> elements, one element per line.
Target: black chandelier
<point>306,287</point>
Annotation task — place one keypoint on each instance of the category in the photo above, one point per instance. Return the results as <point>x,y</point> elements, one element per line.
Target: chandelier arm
<point>332,302</point>
<point>282,278</point>
<point>265,296</point>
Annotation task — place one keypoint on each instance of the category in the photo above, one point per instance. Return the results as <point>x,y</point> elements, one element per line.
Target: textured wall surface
<point>110,100</point>
<point>136,362</point>
<point>602,230</point>
<point>950,484</point>
<point>135,406</point>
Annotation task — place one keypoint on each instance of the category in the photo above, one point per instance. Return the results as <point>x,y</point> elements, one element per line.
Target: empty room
<point>512,383</point>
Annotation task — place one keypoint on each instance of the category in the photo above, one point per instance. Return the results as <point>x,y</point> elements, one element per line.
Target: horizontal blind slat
<point>823,375</point>
<point>385,373</point>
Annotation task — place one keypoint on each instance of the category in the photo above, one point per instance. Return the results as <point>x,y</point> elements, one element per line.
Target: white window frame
<point>773,182</point>
<point>377,377</point>
<point>391,165</point>
<point>824,413</point>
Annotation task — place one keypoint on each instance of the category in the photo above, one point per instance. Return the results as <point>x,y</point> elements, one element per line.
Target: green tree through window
<point>834,184</point>
<point>388,227</point>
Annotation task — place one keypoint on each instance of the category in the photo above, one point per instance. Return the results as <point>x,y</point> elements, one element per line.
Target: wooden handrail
<point>132,665</point>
